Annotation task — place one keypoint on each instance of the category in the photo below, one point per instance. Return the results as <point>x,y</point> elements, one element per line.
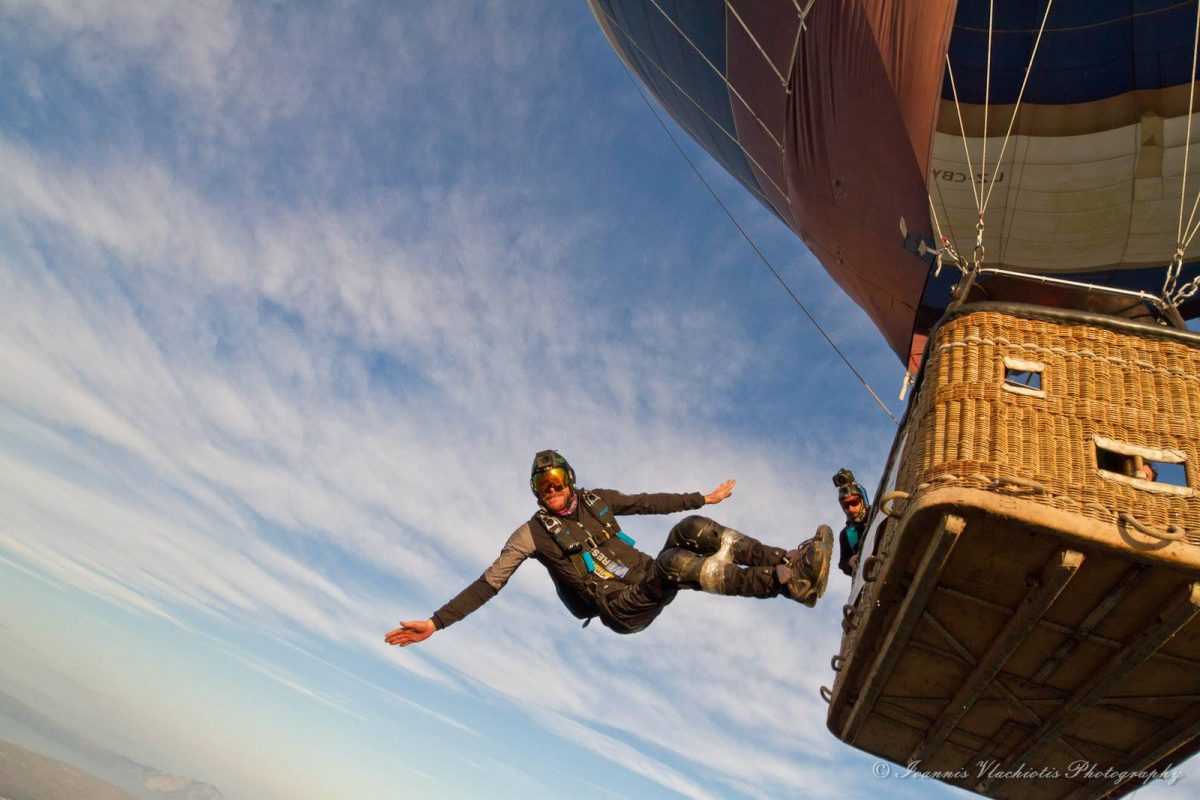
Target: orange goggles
<point>551,480</point>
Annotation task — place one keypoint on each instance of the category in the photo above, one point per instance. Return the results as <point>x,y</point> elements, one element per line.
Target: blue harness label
<point>602,565</point>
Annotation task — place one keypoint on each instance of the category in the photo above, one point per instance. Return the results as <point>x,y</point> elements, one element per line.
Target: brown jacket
<point>531,540</point>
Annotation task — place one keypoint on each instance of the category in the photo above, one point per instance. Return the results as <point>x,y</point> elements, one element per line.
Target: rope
<point>756,250</point>
<point>937,225</point>
<point>945,246</point>
<point>801,28</point>
<point>795,54</point>
<point>1020,97</point>
<point>978,253</point>
<point>983,194</point>
<point>963,131</point>
<point>885,503</point>
<point>1169,294</point>
<point>1010,483</point>
<point>1187,143</point>
<point>629,38</point>
<point>952,241</point>
<point>729,5</point>
<point>724,79</point>
<point>1173,533</point>
<point>987,104</point>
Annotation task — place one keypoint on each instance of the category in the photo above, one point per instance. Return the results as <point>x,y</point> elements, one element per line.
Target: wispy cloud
<point>280,360</point>
<point>628,757</point>
<point>295,686</point>
<point>326,469</point>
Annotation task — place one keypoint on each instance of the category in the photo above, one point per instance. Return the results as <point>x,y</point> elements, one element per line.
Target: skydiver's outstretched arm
<point>720,493</point>
<point>411,632</point>
<point>518,548</point>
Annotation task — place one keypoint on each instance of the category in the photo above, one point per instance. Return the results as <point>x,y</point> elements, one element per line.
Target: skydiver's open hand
<point>720,493</point>
<point>410,632</point>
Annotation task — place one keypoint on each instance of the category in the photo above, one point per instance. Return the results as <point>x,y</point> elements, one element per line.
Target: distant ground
<point>158,784</point>
<point>25,775</point>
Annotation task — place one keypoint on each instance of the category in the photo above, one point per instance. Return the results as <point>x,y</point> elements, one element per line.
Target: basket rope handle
<point>885,503</point>
<point>871,567</point>
<point>1009,482</point>
<point>1173,533</point>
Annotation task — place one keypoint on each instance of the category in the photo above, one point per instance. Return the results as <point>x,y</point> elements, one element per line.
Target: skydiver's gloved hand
<point>411,632</point>
<point>720,493</point>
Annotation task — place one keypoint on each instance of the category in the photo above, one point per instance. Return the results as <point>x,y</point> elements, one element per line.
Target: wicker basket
<point>1106,386</point>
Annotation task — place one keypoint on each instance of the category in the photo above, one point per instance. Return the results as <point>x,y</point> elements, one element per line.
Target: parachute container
<point>1027,617</point>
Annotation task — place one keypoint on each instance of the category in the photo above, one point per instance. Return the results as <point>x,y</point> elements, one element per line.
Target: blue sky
<point>291,295</point>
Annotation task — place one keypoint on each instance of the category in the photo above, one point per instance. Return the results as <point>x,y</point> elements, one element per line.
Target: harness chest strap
<point>582,547</point>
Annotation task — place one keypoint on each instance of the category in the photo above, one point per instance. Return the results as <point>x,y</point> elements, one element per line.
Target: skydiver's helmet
<point>549,466</point>
<point>851,496</point>
<point>855,511</point>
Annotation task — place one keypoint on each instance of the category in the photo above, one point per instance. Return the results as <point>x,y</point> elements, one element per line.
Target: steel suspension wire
<point>962,128</point>
<point>987,103</point>
<point>756,249</point>
<point>1180,230</point>
<point>983,194</point>
<point>733,12</point>
<point>633,42</point>
<point>1184,232</point>
<point>1020,96</point>
<point>724,78</point>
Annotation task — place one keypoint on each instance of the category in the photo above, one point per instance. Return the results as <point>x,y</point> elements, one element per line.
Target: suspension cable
<point>754,39</point>
<point>1020,96</point>
<point>728,83</point>
<point>1187,142</point>
<point>755,248</point>
<point>987,104</point>
<point>629,38</point>
<point>951,240</point>
<point>945,246</point>
<point>962,128</point>
<point>1184,233</point>
<point>800,29</point>
<point>987,184</point>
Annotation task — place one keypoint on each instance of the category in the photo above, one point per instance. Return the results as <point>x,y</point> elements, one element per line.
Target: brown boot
<point>805,570</point>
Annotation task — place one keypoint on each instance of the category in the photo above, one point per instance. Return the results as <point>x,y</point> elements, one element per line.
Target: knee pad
<point>703,535</point>
<point>716,567</point>
<point>708,573</point>
<point>680,565</point>
<point>713,575</point>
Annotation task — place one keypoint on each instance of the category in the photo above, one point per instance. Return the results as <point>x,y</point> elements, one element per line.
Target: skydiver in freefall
<point>598,572</point>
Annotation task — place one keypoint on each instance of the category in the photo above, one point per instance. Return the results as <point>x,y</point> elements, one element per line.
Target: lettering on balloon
<point>954,176</point>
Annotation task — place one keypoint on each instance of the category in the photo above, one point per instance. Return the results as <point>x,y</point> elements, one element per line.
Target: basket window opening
<point>1140,468</point>
<point>1168,473</point>
<point>1029,379</point>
